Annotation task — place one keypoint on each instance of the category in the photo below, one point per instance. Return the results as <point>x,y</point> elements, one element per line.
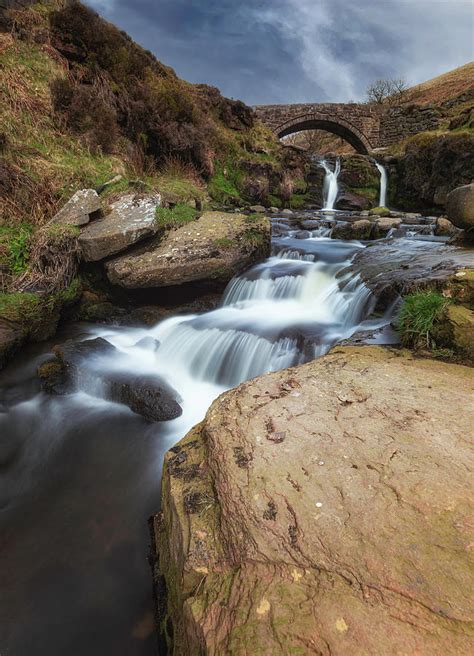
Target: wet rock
<point>460,208</point>
<point>353,202</point>
<point>400,266</point>
<point>131,219</point>
<point>354,541</point>
<point>148,343</point>
<point>212,249</point>
<point>12,335</point>
<point>383,226</point>
<point>86,366</point>
<point>445,228</point>
<point>259,209</point>
<point>360,229</point>
<point>79,209</point>
<point>379,211</point>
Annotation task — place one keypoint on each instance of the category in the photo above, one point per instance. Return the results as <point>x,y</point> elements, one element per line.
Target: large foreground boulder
<point>131,219</point>
<point>214,248</point>
<point>324,509</point>
<point>460,207</point>
<point>86,366</point>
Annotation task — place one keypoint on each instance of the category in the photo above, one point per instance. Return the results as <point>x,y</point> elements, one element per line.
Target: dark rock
<point>460,208</point>
<point>353,202</point>
<point>79,365</point>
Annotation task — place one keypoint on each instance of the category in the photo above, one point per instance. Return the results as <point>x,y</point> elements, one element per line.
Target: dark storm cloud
<point>270,51</point>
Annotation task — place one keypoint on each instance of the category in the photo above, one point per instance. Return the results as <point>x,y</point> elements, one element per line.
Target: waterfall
<point>330,187</point>
<point>383,184</point>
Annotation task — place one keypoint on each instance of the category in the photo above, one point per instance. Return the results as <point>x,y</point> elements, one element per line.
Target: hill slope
<point>443,87</point>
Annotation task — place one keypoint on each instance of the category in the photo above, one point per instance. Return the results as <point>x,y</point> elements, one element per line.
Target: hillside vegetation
<point>80,102</point>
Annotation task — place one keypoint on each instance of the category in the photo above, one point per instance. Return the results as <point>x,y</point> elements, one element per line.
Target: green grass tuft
<point>418,314</point>
<point>172,218</point>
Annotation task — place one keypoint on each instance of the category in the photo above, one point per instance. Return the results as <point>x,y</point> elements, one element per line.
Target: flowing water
<point>330,186</point>
<point>383,184</point>
<point>80,475</point>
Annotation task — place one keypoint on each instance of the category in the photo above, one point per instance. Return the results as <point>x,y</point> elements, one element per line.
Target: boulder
<point>259,209</point>
<point>353,202</point>
<point>131,219</point>
<point>444,228</point>
<point>212,249</point>
<point>79,209</point>
<point>400,266</point>
<point>324,509</point>
<point>360,229</point>
<point>383,226</point>
<point>379,211</point>
<point>83,365</point>
<point>460,207</point>
<point>455,331</point>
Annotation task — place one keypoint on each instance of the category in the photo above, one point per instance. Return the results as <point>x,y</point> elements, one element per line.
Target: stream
<point>80,475</point>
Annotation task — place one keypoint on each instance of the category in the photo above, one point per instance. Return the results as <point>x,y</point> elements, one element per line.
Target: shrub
<point>418,315</point>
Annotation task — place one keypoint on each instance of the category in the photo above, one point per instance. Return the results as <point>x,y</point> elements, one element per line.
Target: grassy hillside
<point>443,87</point>
<point>80,102</point>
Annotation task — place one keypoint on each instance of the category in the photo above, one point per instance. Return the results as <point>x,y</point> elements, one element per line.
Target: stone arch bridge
<point>365,127</point>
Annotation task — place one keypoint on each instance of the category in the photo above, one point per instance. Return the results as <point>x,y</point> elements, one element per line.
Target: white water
<point>330,186</point>
<point>383,184</point>
<point>291,308</point>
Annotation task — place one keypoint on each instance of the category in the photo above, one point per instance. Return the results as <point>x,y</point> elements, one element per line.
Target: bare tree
<point>391,91</point>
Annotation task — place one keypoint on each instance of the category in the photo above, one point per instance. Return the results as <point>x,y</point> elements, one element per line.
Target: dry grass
<point>54,257</point>
<point>443,87</point>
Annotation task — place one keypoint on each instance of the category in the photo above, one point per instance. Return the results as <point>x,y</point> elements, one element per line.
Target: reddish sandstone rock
<point>325,510</point>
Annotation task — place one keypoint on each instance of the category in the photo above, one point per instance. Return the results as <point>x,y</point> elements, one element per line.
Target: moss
<point>20,308</point>
<point>372,193</point>
<point>297,201</point>
<point>50,368</point>
<point>224,242</point>
<point>275,201</point>
<point>419,313</point>
<point>175,217</point>
<point>379,211</point>
<point>224,184</point>
<point>253,237</point>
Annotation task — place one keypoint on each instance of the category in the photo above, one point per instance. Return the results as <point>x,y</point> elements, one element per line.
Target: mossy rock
<point>379,211</point>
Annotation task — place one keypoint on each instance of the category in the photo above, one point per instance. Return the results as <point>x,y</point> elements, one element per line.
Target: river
<point>79,475</point>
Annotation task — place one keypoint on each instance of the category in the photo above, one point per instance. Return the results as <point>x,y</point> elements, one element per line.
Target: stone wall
<point>401,122</point>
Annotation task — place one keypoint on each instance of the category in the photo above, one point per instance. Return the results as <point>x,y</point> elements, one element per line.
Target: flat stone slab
<point>79,208</point>
<point>131,219</point>
<point>214,248</point>
<point>325,509</point>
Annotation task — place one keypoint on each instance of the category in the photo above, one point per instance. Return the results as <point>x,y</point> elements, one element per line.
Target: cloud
<point>269,51</point>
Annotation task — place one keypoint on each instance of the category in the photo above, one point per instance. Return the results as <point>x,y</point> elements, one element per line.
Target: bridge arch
<point>334,124</point>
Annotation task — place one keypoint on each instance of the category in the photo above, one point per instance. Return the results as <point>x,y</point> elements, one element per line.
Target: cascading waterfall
<point>330,186</point>
<point>289,309</point>
<point>383,184</point>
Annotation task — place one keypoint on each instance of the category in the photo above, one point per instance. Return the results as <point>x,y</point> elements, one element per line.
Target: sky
<point>288,51</point>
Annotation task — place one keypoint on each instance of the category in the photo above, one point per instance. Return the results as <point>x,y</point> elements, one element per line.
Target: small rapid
<point>285,311</point>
